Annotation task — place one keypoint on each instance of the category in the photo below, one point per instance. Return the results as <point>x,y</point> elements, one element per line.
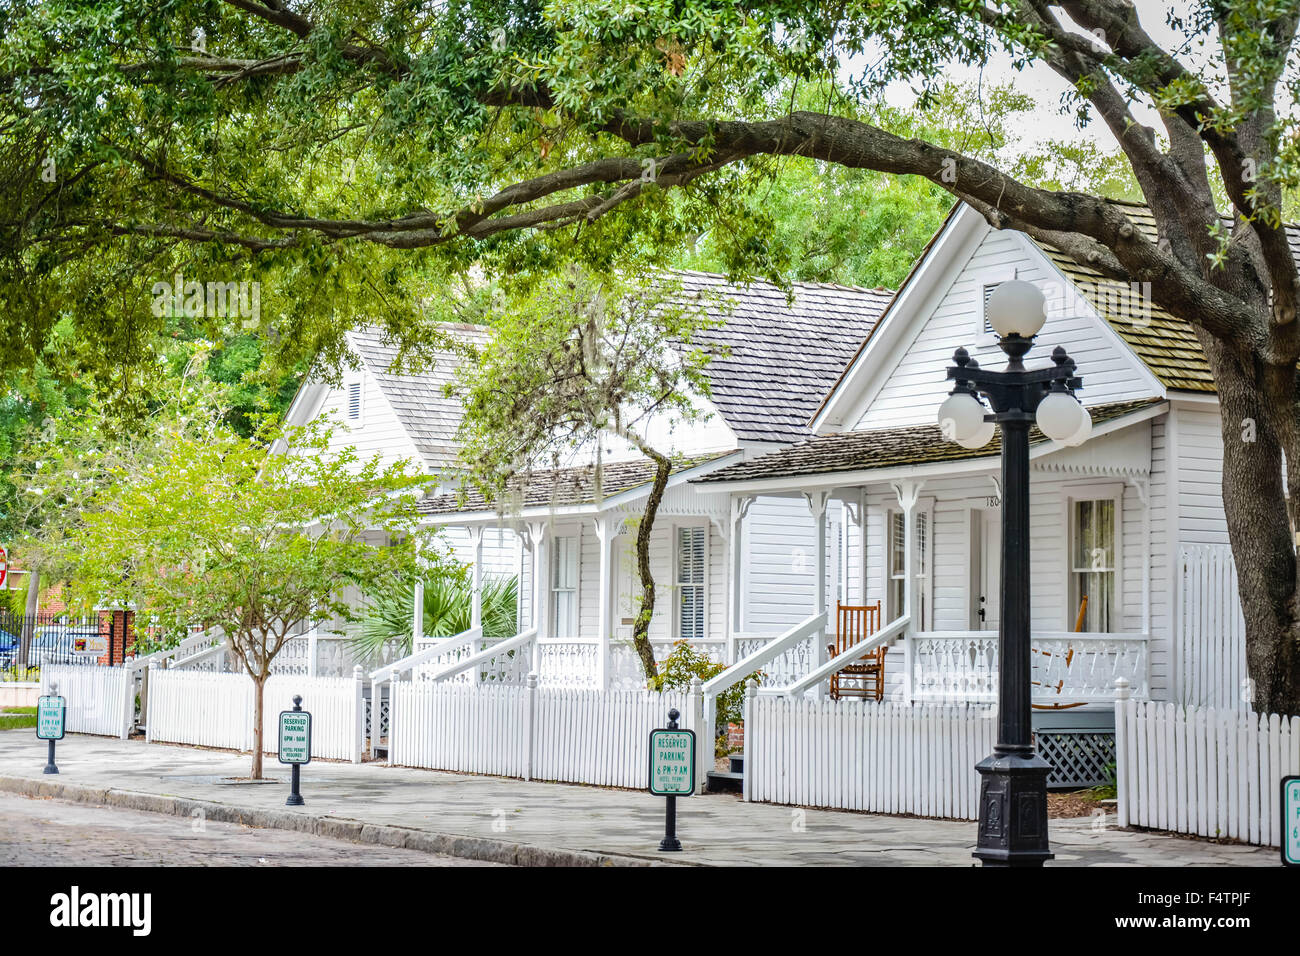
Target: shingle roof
<point>778,362</point>
<point>427,414</point>
<point>782,358</point>
<point>563,486</point>
<point>1166,344</point>
<point>882,448</point>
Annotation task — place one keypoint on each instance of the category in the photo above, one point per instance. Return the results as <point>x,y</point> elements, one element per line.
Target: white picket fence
<point>542,733</point>
<point>1211,631</point>
<point>862,755</point>
<point>216,710</point>
<point>1216,773</point>
<point>100,700</point>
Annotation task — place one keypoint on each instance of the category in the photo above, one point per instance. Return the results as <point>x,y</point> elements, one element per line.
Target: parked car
<point>60,645</point>
<point>8,647</point>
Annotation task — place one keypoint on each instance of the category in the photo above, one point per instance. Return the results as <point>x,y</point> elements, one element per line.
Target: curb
<point>354,831</point>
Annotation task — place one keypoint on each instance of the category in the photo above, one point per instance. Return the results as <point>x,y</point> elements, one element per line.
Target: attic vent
<point>354,401</point>
<point>988,291</point>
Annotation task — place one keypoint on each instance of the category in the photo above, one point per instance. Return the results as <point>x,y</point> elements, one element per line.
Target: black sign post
<point>672,773</point>
<point>51,714</point>
<point>295,746</point>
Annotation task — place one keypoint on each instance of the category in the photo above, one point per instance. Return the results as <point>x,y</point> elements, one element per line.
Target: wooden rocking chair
<point>865,677</point>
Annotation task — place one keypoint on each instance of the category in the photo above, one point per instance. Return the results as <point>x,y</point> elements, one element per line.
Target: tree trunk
<point>29,619</point>
<point>259,685</point>
<point>641,627</point>
<point>1254,401</point>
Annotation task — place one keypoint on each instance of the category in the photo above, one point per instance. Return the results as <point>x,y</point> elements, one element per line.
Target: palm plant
<point>448,607</point>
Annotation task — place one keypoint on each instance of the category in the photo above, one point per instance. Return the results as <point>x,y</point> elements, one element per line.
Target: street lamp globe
<point>1060,416</point>
<point>961,417</point>
<point>1017,307</point>
<point>982,436</point>
<point>1084,432</point>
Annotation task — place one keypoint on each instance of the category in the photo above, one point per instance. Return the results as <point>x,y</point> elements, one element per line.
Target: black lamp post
<point>1013,779</point>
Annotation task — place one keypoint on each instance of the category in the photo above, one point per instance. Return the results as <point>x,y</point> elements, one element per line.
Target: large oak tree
<point>318,144</point>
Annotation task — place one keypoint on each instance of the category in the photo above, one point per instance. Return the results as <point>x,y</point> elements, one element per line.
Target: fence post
<point>128,702</point>
<point>695,718</point>
<point>747,767</point>
<point>530,723</point>
<point>148,724</point>
<point>392,712</point>
<point>1122,783</point>
<point>311,653</point>
<point>358,713</point>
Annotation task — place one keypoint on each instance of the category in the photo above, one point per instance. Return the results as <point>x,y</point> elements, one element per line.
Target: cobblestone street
<point>37,832</point>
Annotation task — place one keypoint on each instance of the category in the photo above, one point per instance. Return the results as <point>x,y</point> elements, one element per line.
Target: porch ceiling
<point>885,448</point>
<point>562,488</point>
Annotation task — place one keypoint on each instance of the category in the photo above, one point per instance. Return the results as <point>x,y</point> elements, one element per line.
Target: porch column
<point>736,575</point>
<point>908,492</point>
<point>606,534</point>
<point>476,600</point>
<point>541,587</point>
<point>817,501</point>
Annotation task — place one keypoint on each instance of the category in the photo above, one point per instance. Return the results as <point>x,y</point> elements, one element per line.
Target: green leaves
<point>199,526</point>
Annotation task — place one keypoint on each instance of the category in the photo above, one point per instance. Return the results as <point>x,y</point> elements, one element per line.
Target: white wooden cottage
<point>573,549</point>
<point>1132,518</point>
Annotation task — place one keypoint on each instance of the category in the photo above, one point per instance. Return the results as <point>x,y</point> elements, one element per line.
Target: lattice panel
<point>1078,758</point>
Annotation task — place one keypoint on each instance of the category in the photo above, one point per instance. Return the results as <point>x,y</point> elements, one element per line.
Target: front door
<point>986,568</point>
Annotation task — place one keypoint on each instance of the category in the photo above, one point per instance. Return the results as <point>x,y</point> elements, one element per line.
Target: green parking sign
<point>50,712</point>
<point>1291,821</point>
<point>672,763</point>
<point>295,736</point>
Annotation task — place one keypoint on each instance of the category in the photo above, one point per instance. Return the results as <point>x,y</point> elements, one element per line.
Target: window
<point>691,561</point>
<point>1092,564</point>
<point>564,586</point>
<point>898,566</point>
<point>354,401</point>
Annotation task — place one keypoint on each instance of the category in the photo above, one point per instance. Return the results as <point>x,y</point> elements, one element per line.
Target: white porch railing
<point>812,628</point>
<point>886,635</point>
<point>1068,668</point>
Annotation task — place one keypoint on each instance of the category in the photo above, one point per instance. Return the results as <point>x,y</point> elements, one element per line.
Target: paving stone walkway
<point>483,813</point>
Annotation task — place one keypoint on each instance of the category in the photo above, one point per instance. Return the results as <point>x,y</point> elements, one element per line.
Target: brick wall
<point>735,736</point>
<point>113,626</point>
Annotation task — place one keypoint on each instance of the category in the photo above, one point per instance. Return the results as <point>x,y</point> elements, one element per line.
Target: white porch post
<point>817,501</point>
<point>606,534</point>
<point>541,589</point>
<point>736,574</point>
<point>908,493</point>
<point>476,600</point>
<point>417,616</point>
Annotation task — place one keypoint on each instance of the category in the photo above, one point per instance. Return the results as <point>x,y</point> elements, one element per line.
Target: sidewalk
<point>491,818</point>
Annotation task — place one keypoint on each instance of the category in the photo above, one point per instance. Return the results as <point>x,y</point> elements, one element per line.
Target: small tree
<point>211,530</point>
<point>580,357</point>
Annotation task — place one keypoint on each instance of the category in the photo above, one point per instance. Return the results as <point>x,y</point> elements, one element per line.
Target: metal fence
<point>31,641</point>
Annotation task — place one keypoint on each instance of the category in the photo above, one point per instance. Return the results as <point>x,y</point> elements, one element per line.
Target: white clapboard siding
<point>1212,631</point>
<point>97,697</point>
<point>1215,773</point>
<point>863,755</point>
<point>216,710</point>
<point>573,735</point>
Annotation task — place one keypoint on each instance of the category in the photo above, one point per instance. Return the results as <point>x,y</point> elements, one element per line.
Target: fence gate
<point>1211,631</point>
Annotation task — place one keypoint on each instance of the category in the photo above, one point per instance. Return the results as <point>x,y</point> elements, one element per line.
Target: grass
<point>14,718</point>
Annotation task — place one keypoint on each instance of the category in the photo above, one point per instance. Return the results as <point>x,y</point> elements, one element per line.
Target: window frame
<point>556,591</point>
<point>1075,494</point>
<point>680,586</point>
<point>925,565</point>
